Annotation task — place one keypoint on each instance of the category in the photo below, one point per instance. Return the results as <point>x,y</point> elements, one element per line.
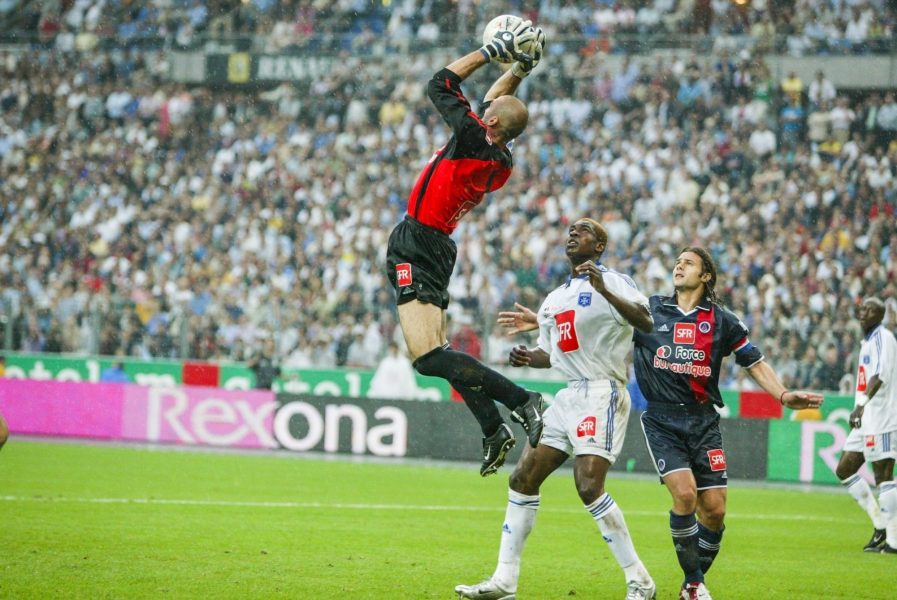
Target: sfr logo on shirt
<point>684,333</point>
<point>586,427</point>
<point>567,340</point>
<point>717,459</point>
<point>403,274</point>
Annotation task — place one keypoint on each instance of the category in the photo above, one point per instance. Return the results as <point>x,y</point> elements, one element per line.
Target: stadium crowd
<point>151,219</point>
<point>798,26</point>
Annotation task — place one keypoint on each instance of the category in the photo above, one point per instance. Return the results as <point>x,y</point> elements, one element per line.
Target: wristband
<point>861,399</point>
<point>782,397</point>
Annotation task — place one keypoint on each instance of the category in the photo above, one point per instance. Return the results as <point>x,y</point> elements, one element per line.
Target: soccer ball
<point>502,23</point>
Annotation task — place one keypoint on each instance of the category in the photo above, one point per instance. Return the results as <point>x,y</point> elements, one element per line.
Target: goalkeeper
<point>421,255</point>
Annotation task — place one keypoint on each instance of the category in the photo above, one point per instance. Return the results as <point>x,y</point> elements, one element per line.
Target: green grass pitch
<point>86,521</point>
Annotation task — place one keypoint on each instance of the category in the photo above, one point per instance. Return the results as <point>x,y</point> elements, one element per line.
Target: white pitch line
<point>360,506</point>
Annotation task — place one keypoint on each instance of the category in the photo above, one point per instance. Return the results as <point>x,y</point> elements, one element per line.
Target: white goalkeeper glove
<point>506,44</point>
<point>520,69</point>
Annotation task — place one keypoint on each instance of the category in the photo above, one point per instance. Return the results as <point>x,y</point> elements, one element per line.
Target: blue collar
<point>570,278</point>
<point>871,333</point>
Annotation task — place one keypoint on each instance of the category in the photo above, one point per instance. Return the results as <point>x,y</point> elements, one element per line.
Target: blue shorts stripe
<point>611,413</point>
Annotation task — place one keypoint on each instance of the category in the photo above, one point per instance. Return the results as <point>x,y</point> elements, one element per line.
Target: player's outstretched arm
<point>467,64</point>
<point>508,83</point>
<point>521,356</point>
<point>766,378</point>
<point>519,321</point>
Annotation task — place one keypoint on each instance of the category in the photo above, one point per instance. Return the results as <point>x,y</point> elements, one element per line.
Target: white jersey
<point>585,336</point>
<point>878,356</point>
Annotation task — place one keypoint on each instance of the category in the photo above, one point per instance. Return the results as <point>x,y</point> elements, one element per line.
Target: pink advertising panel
<point>199,415</point>
<point>184,415</point>
<point>91,410</point>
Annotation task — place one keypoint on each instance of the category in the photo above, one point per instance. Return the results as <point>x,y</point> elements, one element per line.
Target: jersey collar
<point>570,278</point>
<point>704,304</point>
<point>871,333</point>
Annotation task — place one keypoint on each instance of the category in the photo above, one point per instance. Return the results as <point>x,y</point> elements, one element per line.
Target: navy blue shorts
<point>683,437</point>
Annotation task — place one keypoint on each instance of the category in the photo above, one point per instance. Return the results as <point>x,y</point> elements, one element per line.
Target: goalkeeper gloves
<point>521,69</point>
<point>506,45</point>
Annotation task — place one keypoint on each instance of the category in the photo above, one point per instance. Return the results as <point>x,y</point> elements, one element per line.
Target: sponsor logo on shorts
<point>704,327</point>
<point>586,427</point>
<point>403,274</point>
<point>684,333</point>
<point>870,441</point>
<point>585,299</point>
<point>717,459</point>
<point>567,340</point>
<point>661,465</point>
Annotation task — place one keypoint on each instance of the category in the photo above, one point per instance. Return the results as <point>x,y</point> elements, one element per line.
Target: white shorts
<point>588,418</point>
<point>874,447</point>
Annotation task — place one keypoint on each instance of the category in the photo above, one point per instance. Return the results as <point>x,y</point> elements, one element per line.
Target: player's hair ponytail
<point>707,266</point>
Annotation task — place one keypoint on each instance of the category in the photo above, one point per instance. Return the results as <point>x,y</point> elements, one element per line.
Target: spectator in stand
<point>820,90</point>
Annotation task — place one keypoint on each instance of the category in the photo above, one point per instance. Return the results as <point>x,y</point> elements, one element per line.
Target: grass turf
<point>110,522</point>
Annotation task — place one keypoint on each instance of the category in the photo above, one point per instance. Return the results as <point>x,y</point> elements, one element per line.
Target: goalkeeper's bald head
<point>512,117</point>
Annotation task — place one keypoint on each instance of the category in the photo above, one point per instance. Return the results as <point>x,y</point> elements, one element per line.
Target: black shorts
<point>683,437</point>
<point>419,263</point>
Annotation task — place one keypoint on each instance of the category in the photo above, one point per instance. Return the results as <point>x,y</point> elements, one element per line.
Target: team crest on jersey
<point>866,359</point>
<point>585,299</point>
<point>704,326</point>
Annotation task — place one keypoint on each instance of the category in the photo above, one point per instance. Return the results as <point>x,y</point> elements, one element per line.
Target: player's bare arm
<point>465,66</point>
<point>521,356</point>
<point>518,321</point>
<point>856,415</point>
<point>767,379</point>
<point>636,314</point>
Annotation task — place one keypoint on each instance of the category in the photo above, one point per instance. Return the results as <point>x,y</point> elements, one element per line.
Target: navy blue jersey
<point>679,361</point>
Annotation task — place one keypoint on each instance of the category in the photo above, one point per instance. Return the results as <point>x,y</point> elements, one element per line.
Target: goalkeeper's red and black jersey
<point>463,171</point>
<point>679,361</point>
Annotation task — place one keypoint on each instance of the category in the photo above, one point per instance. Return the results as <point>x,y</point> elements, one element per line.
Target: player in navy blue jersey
<point>421,254</point>
<point>677,366</point>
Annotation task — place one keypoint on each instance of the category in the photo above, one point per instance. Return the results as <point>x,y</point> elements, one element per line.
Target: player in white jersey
<point>873,434</point>
<point>585,330</point>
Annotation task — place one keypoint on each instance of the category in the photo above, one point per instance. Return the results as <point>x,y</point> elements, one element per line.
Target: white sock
<point>613,528</point>
<point>519,520</point>
<point>887,498</point>
<point>859,489</point>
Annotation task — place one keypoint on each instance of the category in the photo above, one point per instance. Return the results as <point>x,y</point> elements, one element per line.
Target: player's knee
<point>847,467</point>
<point>685,499</point>
<point>431,362</point>
<point>712,517</point>
<point>589,492</point>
